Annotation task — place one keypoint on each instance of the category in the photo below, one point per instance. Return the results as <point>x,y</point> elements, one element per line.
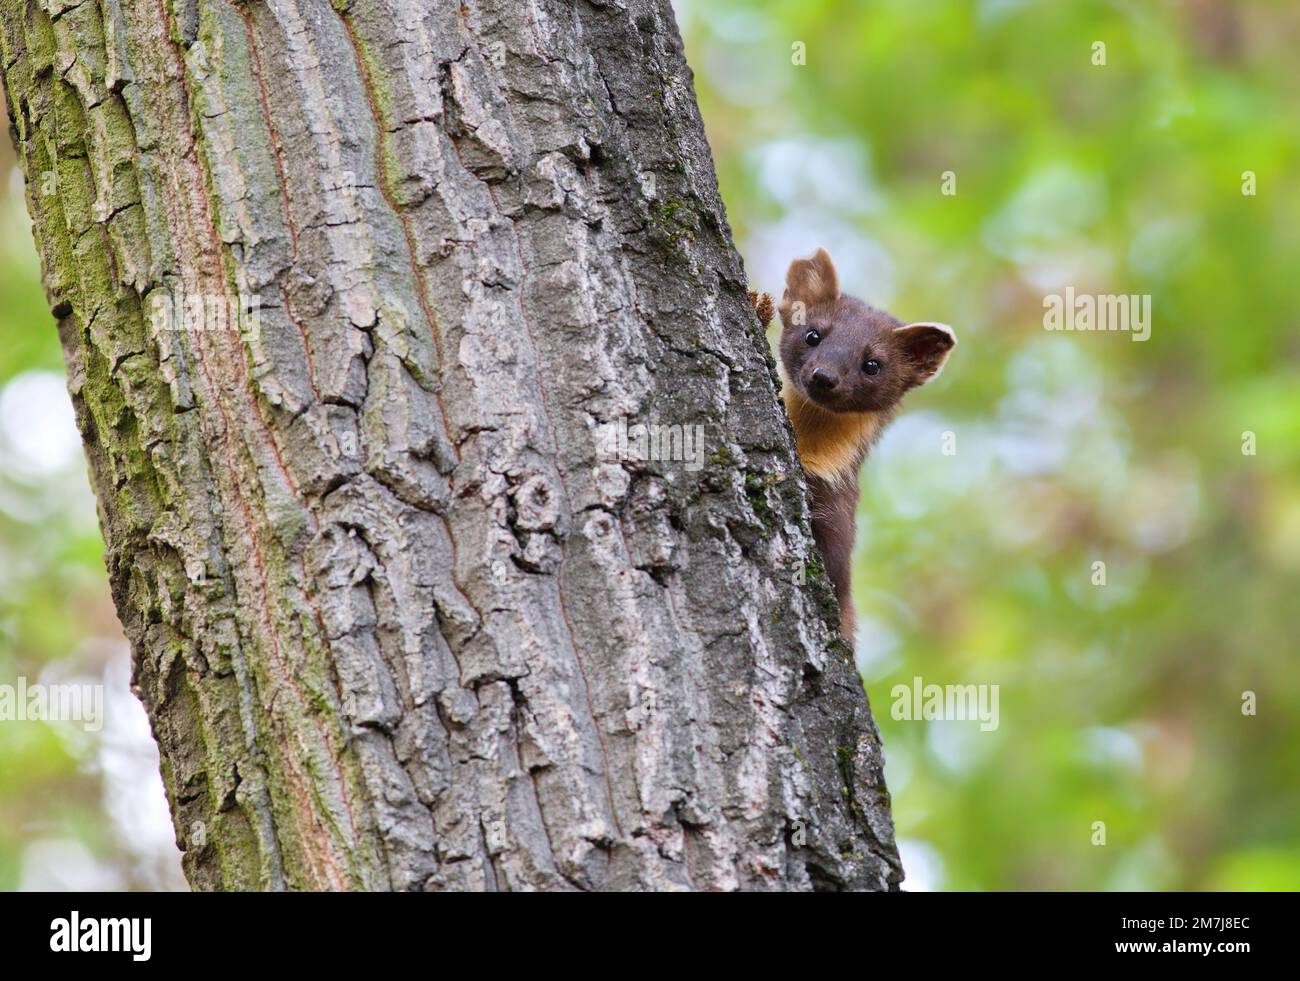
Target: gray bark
<point>398,620</point>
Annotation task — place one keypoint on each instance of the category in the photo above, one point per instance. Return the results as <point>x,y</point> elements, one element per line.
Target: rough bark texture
<point>397,621</point>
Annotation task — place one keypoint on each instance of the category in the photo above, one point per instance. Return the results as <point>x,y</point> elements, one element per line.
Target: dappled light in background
<point>1038,454</point>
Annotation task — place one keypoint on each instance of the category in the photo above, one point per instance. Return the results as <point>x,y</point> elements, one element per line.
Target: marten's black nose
<point>823,379</point>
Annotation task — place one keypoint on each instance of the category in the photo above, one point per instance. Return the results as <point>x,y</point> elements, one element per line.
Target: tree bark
<point>402,616</point>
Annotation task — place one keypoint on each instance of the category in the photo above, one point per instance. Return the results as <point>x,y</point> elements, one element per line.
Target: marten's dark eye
<point>812,338</point>
<point>871,366</point>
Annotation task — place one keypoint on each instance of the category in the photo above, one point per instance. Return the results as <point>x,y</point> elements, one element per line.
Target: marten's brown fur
<point>845,368</point>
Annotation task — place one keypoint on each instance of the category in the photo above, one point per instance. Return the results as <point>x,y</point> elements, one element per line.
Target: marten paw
<point>763,305</point>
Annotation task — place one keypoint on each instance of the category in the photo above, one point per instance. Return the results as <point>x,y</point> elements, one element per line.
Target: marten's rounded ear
<point>809,282</point>
<point>926,346</point>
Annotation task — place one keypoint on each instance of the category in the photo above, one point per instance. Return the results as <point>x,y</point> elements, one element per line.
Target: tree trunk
<point>404,615</point>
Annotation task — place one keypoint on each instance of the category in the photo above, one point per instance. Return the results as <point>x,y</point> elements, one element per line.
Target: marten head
<point>845,356</point>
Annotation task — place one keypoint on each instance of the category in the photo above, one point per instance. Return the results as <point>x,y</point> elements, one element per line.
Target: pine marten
<point>845,366</point>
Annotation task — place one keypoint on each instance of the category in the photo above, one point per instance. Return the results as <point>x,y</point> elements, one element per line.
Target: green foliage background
<point>1119,703</point>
